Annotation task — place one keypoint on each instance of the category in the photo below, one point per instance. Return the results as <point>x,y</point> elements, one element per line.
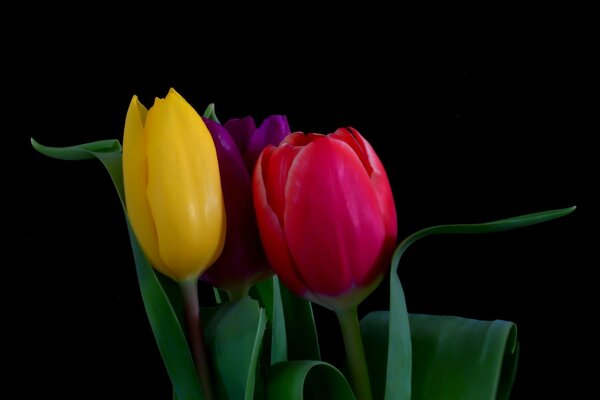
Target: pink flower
<point>326,216</point>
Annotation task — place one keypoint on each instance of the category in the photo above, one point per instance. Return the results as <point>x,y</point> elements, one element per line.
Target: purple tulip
<point>239,143</point>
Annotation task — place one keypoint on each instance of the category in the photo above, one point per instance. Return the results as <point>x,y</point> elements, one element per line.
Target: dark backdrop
<point>475,119</point>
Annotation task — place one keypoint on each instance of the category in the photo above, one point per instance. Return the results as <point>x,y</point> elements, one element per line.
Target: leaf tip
<point>40,148</point>
<point>565,211</point>
<point>210,113</point>
<point>34,144</point>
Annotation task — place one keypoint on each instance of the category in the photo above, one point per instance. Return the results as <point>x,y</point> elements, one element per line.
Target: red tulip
<point>326,216</point>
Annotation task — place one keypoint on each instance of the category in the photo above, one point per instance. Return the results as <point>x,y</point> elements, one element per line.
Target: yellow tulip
<point>172,186</point>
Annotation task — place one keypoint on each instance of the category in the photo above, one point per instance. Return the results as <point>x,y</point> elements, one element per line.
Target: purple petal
<point>242,260</point>
<point>228,154</point>
<point>241,130</point>
<point>272,131</point>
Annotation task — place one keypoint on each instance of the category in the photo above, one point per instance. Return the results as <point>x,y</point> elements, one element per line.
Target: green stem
<point>238,293</point>
<point>189,290</point>
<point>355,353</point>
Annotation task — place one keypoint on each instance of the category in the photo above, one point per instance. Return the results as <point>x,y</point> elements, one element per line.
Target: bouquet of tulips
<point>248,210</point>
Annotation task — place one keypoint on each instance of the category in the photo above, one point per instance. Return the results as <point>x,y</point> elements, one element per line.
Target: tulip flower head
<point>239,143</point>
<point>172,186</point>
<point>326,216</point>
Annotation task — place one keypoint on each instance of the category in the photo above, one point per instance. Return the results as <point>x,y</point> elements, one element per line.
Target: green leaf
<point>453,357</point>
<point>220,295</point>
<point>278,333</point>
<point>234,334</point>
<point>399,357</point>
<point>375,334</point>
<point>164,322</point>
<point>107,151</point>
<point>398,372</point>
<point>210,113</point>
<point>173,292</point>
<point>262,291</point>
<point>462,359</point>
<point>314,380</point>
<point>268,294</point>
<point>167,330</point>
<point>79,152</point>
<point>291,320</point>
<point>301,332</point>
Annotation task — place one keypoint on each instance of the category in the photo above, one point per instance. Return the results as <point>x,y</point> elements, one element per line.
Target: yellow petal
<point>135,176</point>
<point>184,188</point>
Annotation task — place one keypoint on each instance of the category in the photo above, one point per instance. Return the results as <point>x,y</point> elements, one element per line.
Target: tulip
<point>326,216</point>
<point>172,186</point>
<point>174,201</point>
<point>327,220</point>
<point>238,143</point>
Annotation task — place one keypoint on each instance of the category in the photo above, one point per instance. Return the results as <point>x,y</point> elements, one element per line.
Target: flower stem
<point>189,290</point>
<point>355,353</point>
<point>238,293</point>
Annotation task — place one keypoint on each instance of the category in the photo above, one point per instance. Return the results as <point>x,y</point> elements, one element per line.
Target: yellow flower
<point>172,186</point>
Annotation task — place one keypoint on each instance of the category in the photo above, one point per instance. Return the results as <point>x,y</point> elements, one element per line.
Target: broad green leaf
<point>375,334</point>
<point>307,380</point>
<point>462,359</point>
<point>173,292</point>
<point>398,372</point>
<point>167,329</point>
<point>164,322</point>
<point>453,358</point>
<point>234,333</point>
<point>302,341</point>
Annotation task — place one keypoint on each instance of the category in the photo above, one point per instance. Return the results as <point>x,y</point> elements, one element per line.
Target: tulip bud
<point>172,186</point>
<point>239,143</point>
<point>326,216</point>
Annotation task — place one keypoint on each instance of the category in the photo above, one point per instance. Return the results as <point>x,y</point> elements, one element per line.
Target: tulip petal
<point>230,160</point>
<point>278,166</point>
<point>353,139</point>
<point>301,139</point>
<point>184,189</point>
<point>242,259</point>
<point>346,220</point>
<point>241,130</point>
<point>272,131</point>
<point>380,183</point>
<point>271,230</point>
<point>382,189</point>
<point>135,175</point>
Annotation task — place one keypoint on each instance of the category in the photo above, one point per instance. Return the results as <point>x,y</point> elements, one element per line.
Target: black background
<point>475,119</point>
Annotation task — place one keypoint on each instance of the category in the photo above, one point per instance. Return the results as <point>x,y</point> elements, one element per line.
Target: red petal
<point>351,137</point>
<point>381,187</point>
<point>271,232</point>
<point>301,139</point>
<point>275,175</point>
<point>333,223</point>
<point>383,191</point>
